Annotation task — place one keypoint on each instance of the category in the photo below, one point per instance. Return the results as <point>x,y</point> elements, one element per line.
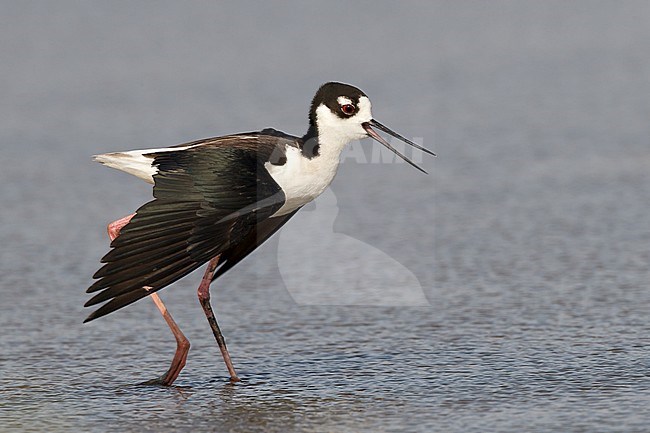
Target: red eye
<point>348,109</point>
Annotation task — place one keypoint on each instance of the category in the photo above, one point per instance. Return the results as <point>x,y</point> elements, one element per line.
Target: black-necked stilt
<point>217,199</point>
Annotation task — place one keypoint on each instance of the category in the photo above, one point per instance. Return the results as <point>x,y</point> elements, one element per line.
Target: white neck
<point>303,179</point>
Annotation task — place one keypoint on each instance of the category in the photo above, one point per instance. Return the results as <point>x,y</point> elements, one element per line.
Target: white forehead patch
<point>343,100</point>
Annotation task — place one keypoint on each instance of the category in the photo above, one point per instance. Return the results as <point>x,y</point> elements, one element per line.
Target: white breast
<point>303,179</point>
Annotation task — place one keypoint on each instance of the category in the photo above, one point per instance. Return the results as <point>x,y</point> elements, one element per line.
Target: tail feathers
<point>133,162</point>
<point>139,163</point>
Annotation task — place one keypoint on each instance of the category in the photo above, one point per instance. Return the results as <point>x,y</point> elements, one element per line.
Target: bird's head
<point>341,113</point>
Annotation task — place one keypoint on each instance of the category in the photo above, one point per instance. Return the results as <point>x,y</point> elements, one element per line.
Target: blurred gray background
<point>529,237</point>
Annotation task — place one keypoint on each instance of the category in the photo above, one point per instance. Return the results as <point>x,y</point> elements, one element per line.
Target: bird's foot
<point>159,381</point>
<point>234,379</point>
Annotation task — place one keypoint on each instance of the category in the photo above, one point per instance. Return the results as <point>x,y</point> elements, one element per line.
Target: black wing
<point>207,201</point>
<point>257,237</point>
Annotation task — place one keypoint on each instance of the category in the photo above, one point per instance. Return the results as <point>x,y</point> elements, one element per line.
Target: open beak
<point>372,133</point>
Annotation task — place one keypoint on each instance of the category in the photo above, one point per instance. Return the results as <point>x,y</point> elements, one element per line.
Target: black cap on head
<point>328,94</point>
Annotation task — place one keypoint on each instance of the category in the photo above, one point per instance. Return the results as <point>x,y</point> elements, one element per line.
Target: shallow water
<point>529,240</point>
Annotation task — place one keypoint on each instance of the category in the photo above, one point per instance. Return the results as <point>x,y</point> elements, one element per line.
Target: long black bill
<point>372,133</point>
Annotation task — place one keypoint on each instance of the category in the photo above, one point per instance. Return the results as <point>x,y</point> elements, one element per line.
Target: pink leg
<point>182,343</point>
<point>204,299</point>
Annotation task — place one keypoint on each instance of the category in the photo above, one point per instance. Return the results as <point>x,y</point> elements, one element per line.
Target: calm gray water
<point>530,238</point>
